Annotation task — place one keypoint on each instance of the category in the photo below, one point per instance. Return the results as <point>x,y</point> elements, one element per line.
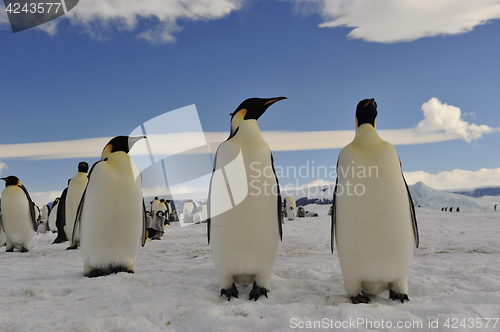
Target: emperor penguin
<point>111,214</point>
<point>301,212</point>
<point>18,215</point>
<point>373,217</point>
<point>154,205</point>
<point>244,205</point>
<point>61,217</point>
<point>290,208</point>
<point>158,223</point>
<point>188,211</point>
<point>45,215</point>
<point>53,215</point>
<point>76,188</point>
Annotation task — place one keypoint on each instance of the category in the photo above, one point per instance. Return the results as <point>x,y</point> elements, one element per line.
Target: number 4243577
<point>15,8</point>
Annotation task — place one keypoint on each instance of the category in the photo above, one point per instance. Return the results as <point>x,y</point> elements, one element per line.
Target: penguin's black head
<point>83,167</point>
<point>366,112</point>
<point>251,109</point>
<point>120,143</point>
<point>11,181</point>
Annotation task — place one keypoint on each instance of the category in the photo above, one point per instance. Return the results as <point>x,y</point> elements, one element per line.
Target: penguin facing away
<point>76,187</point>
<point>18,215</point>
<point>53,216</point>
<point>373,216</point>
<point>244,230</point>
<point>61,217</point>
<point>112,204</point>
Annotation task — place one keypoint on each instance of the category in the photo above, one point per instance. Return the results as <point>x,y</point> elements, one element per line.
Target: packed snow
<point>455,280</point>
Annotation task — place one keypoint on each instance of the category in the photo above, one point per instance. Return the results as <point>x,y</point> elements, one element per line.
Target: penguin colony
<point>375,233</point>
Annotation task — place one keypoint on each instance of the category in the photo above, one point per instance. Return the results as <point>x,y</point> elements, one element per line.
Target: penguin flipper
<point>412,211</point>
<point>280,216</point>
<point>32,207</point>
<point>334,212</point>
<point>144,224</point>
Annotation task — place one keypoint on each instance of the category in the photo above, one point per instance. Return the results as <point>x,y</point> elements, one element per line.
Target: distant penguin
<point>458,209</point>
<point>154,206</point>
<point>330,211</point>
<point>376,231</point>
<point>204,214</point>
<point>244,230</point>
<point>165,208</point>
<point>188,211</point>
<point>37,213</point>
<point>42,228</point>
<point>289,208</point>
<point>301,212</point>
<point>446,209</point>
<point>61,217</point>
<point>76,188</point>
<point>149,219</point>
<point>197,218</point>
<point>442,209</point>
<point>18,215</point>
<point>53,215</point>
<point>175,216</point>
<point>311,214</point>
<point>45,215</point>
<point>158,224</point>
<point>451,209</point>
<point>495,207</point>
<point>112,215</point>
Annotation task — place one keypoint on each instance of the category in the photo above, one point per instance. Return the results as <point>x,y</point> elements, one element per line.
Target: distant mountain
<point>306,201</point>
<point>480,192</point>
<point>428,197</point>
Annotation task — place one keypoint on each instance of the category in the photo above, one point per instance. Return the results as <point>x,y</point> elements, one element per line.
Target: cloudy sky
<point>109,66</point>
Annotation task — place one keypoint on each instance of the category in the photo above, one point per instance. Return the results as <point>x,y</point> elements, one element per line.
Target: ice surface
<point>455,275</point>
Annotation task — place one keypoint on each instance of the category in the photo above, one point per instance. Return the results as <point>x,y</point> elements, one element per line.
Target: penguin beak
<point>133,140</point>
<point>256,114</point>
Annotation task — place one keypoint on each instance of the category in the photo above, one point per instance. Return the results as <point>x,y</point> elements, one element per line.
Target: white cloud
<point>277,140</point>
<point>2,166</point>
<point>445,118</point>
<point>456,179</point>
<point>96,16</point>
<point>389,21</point>
<point>43,197</point>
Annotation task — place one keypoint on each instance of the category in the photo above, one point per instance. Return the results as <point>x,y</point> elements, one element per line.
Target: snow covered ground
<point>455,276</point>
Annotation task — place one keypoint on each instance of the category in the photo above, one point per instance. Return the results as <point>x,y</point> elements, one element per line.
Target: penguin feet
<point>360,298</point>
<point>257,291</point>
<point>10,250</point>
<point>75,246</point>
<point>120,269</point>
<point>58,240</point>
<point>94,274</point>
<point>395,296</point>
<point>233,291</point>
<point>23,249</point>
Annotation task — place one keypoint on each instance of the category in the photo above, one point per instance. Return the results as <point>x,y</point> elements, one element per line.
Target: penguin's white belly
<point>245,238</point>
<point>52,219</point>
<point>17,222</point>
<point>374,231</point>
<point>111,220</point>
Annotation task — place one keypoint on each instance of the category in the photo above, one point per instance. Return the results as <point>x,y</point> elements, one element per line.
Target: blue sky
<point>108,66</point>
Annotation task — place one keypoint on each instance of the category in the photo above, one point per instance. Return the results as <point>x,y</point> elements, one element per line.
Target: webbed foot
<point>257,291</point>
<point>94,274</point>
<point>23,249</point>
<point>360,298</point>
<point>120,269</point>
<point>75,246</point>
<point>395,296</point>
<point>233,291</point>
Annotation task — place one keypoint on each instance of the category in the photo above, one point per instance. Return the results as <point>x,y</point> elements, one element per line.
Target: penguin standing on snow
<point>111,214</point>
<point>244,226</point>
<point>373,217</point>
<point>18,215</point>
<point>61,217</point>
<point>301,212</point>
<point>290,206</point>
<point>53,215</point>
<point>76,187</point>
